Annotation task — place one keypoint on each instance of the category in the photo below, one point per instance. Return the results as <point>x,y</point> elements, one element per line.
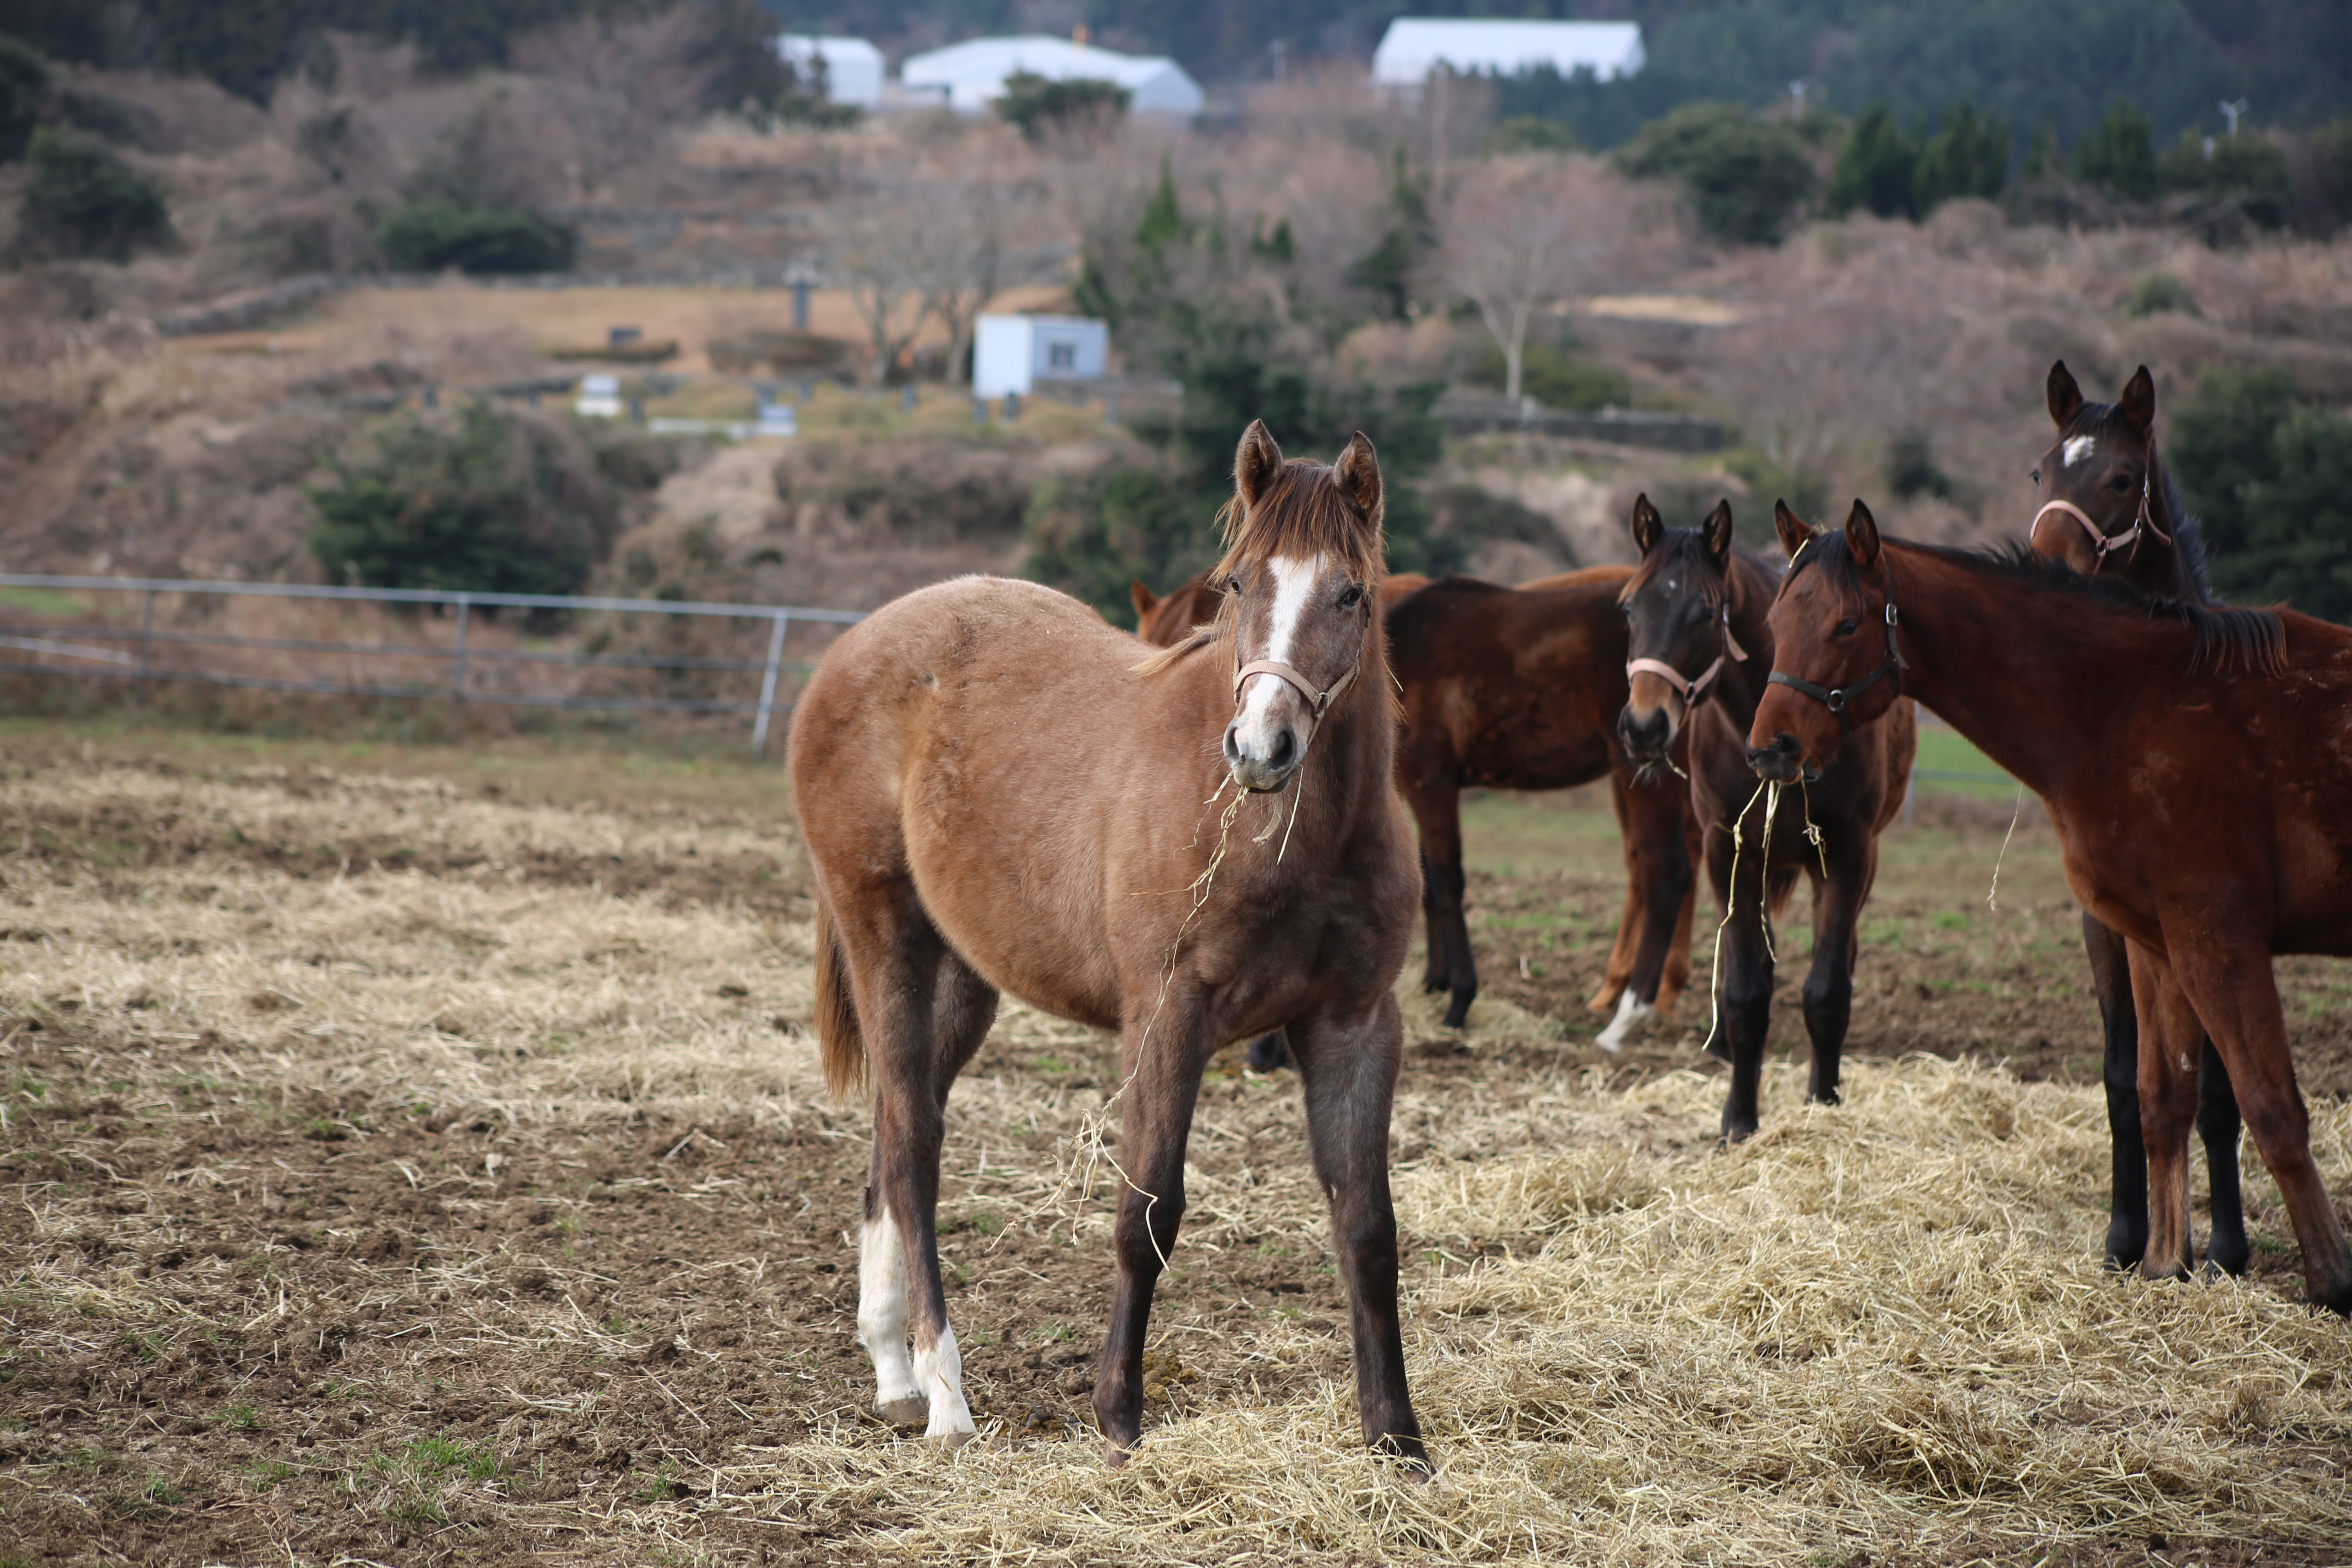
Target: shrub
<point>1747,177</point>
<point>2331,173</point>
<point>1967,157</point>
<point>429,236</point>
<point>2158,293</point>
<point>1528,133</point>
<point>1911,470</point>
<point>1560,378</point>
<point>2119,154</point>
<point>24,85</point>
<point>488,502</point>
<point>83,200</point>
<point>2271,477</point>
<point>1040,106</point>
<point>1878,168</point>
<point>2247,171</point>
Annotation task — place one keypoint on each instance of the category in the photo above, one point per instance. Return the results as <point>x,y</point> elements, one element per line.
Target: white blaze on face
<point>2077,449</point>
<point>1294,586</point>
<point>882,1316</point>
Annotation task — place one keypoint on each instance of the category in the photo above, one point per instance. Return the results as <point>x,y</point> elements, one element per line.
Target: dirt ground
<point>418,1158</point>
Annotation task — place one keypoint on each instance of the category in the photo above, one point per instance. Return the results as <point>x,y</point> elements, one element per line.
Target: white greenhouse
<point>1415,46</point>
<point>970,76</point>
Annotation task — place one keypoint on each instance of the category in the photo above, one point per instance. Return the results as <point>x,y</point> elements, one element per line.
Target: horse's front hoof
<point>1460,1011</point>
<point>954,1437</point>
<point>912,1410</point>
<point>1823,1097</point>
<point>2126,1246</point>
<point>2230,1254</point>
<point>1735,1132</point>
<point>1114,1457</point>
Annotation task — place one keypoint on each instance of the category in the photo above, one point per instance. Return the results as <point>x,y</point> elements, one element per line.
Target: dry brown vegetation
<point>422,1157</point>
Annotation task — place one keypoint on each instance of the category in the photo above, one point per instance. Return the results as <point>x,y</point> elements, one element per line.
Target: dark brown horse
<point>1000,792</point>
<point>2196,762</point>
<point>1513,688</point>
<point>1695,617</point>
<point>2106,506</point>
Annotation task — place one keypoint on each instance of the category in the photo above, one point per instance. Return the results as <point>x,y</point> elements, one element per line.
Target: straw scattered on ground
<point>402,1172</point>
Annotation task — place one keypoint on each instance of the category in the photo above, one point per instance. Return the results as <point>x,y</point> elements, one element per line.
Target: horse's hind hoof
<point>911,1411</point>
<point>1268,1053</point>
<point>953,1438</point>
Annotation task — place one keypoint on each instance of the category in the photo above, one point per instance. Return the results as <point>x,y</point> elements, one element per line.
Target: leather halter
<point>2102,544</point>
<point>1837,700</point>
<point>1317,702</point>
<point>1692,690</point>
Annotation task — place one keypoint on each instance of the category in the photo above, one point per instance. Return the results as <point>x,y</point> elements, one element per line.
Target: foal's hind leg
<point>923,1013</point>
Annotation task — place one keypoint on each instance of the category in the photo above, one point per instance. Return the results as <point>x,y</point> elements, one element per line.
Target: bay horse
<point>1520,689</point>
<point>2107,506</point>
<point>999,792</point>
<point>1699,645</point>
<point>2196,762</point>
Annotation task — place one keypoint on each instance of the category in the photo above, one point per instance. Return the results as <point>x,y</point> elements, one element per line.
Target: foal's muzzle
<point>1646,736</point>
<point>1779,762</point>
<point>1262,756</point>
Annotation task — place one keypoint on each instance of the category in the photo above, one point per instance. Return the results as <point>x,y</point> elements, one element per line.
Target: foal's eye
<point>1233,584</point>
<point>2120,483</point>
<point>2035,476</point>
<point>1846,628</point>
<point>1351,598</point>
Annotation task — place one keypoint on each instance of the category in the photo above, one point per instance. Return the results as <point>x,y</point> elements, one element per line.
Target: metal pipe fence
<point>133,657</point>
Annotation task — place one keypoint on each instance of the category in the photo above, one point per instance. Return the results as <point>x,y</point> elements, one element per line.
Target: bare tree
<point>621,82</point>
<point>1524,232</point>
<point>882,252</point>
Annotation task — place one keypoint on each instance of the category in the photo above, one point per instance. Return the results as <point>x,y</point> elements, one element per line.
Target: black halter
<point>1835,699</point>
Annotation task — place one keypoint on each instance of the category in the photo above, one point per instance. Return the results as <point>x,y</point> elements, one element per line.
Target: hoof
<point>1826,1097</point>
<point>1719,1048</point>
<point>1433,983</point>
<point>2125,1249</point>
<point>954,1437</point>
<point>1116,1458</point>
<point>2228,1254</point>
<point>912,1410</point>
<point>1631,1023</point>
<point>1460,1011</point>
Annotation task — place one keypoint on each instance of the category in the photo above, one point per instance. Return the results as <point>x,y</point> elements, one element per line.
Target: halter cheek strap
<point>2103,544</point>
<point>1837,700</point>
<point>1692,690</point>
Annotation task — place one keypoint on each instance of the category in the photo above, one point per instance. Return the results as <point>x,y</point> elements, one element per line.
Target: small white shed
<point>852,67</point>
<point>1415,46</point>
<point>1012,353</point>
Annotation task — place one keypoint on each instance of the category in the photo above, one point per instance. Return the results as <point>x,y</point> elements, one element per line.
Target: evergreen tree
<point>1877,168</point>
<point>2119,154</point>
<point>1968,157</point>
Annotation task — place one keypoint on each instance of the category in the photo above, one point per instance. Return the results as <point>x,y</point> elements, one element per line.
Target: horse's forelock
<point>1302,514</point>
<point>1685,548</point>
<point>1832,557</point>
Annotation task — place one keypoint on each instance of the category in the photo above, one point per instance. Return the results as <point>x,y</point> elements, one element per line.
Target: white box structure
<point>1012,353</point>
<point>853,67</point>
<point>600,397</point>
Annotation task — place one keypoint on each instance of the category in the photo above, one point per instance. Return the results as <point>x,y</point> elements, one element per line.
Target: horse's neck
<point>1741,687</point>
<point>1986,663</point>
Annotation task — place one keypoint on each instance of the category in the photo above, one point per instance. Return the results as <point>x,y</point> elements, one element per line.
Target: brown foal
<point>2198,764</point>
<point>1000,792</point>
<point>2106,507</point>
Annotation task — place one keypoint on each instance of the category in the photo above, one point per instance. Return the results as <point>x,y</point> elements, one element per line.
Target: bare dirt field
<point>420,1156</point>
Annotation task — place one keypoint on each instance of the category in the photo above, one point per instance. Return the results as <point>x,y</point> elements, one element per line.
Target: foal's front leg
<point>1166,1055</point>
<point>1348,1068</point>
<point>1743,984</point>
<point>1837,928</point>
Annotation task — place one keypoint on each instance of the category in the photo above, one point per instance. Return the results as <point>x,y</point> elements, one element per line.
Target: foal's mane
<point>1301,513</point>
<point>2227,638</point>
<point>1685,549</point>
<point>2105,419</point>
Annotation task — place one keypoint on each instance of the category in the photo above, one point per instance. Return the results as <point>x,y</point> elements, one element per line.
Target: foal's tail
<point>839,1039</point>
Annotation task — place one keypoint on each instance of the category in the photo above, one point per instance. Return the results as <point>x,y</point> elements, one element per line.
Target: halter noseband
<point>2102,544</point>
<point>1693,689</point>
<point>1837,700</point>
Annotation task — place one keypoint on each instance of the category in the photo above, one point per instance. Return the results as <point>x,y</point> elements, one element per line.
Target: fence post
<point>146,631</point>
<point>768,687</point>
<point>457,675</point>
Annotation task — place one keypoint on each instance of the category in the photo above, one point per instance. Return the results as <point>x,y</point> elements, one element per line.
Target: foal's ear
<point>1861,535</point>
<point>2065,397</point>
<point>1144,600</point>
<point>1716,533</point>
<point>1358,475</point>
<point>2137,404</point>
<point>1648,526</point>
<point>1255,462</point>
<point>1795,532</point>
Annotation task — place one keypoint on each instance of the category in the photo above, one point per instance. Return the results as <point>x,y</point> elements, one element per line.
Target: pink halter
<point>1692,691</point>
<point>2101,543</point>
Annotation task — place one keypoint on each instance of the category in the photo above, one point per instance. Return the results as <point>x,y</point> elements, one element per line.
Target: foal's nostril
<point>1278,755</point>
